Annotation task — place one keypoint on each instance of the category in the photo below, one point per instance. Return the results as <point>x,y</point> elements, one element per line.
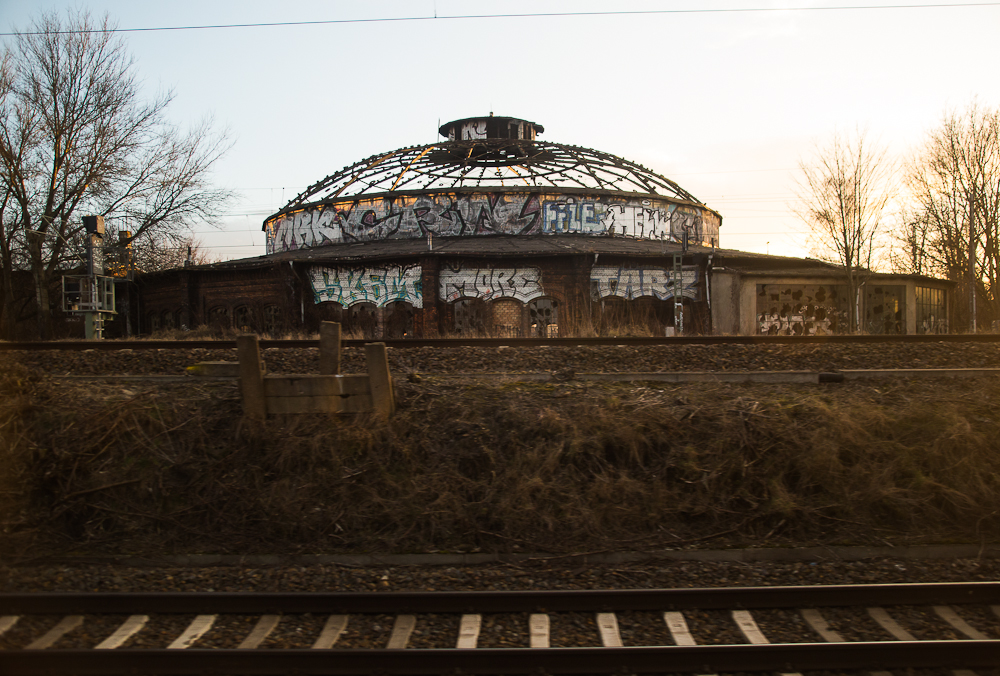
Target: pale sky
<point>724,103</point>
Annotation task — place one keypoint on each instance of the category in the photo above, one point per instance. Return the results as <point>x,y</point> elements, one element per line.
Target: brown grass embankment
<point>158,469</point>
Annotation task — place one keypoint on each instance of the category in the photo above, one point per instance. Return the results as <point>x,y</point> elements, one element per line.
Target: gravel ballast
<point>591,359</point>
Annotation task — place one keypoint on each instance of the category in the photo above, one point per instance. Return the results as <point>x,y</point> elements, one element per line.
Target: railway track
<point>871,629</point>
<point>77,345</point>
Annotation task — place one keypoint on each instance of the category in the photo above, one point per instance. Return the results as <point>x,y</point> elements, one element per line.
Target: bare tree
<point>12,251</point>
<point>909,253</point>
<point>844,193</point>
<point>955,182</point>
<point>126,253</point>
<point>77,137</point>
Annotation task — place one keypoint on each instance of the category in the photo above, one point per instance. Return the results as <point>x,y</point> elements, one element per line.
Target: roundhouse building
<point>494,232</point>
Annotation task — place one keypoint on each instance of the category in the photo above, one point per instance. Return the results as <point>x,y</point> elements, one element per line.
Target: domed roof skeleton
<point>488,164</point>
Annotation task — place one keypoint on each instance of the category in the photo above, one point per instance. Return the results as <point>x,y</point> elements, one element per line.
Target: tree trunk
<point>852,302</point>
<point>40,275</point>
<point>8,318</point>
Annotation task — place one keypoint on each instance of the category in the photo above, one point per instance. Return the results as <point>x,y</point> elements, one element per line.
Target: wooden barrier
<point>328,392</point>
<point>329,348</point>
<point>251,376</point>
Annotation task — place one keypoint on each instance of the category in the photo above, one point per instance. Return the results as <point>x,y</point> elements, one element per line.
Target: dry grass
<point>217,332</point>
<point>496,466</point>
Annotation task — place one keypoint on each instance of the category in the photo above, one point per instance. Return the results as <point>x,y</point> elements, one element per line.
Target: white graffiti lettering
<point>488,214</point>
<point>524,284</point>
<point>378,285</point>
<point>631,283</point>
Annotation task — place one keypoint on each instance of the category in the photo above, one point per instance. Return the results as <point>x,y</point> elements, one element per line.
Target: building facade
<point>493,232</point>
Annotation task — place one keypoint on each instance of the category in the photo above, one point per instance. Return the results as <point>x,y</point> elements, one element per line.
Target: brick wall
<point>508,318</point>
<point>506,285</point>
<point>195,296</point>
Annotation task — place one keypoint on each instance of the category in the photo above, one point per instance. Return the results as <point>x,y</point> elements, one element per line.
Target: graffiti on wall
<point>631,282</point>
<point>524,284</point>
<point>575,216</point>
<point>405,218</point>
<point>801,310</point>
<point>377,285</point>
<point>487,214</point>
<point>884,309</point>
<point>473,129</point>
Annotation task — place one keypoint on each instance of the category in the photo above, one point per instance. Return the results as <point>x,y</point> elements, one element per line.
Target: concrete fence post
<point>329,348</point>
<point>251,377</point>
<point>380,379</point>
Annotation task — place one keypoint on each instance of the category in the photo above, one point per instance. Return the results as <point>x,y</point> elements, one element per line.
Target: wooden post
<point>251,377</point>
<point>329,348</point>
<point>381,382</point>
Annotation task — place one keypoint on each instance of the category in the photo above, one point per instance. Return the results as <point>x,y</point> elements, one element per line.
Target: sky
<point>728,100</point>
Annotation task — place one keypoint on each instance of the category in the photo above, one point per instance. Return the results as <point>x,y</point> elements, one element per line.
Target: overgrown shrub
<point>146,468</point>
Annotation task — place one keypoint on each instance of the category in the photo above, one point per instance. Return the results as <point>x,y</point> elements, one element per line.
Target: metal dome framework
<point>488,164</point>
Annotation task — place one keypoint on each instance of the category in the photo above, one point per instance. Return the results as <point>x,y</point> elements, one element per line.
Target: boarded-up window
<point>506,318</point>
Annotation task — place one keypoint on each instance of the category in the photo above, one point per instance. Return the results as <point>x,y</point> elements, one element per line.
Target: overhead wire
<point>526,15</point>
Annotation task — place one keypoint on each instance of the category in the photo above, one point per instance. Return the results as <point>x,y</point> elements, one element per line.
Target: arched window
<point>154,322</point>
<point>330,311</point>
<point>167,321</point>
<point>242,319</point>
<point>361,319</point>
<point>273,325</point>
<point>543,318</point>
<point>218,317</point>
<point>398,317</point>
<point>470,316</point>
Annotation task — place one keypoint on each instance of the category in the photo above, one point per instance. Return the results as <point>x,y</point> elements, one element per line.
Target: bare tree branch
<point>845,189</point>
<point>955,184</point>
<point>78,137</point>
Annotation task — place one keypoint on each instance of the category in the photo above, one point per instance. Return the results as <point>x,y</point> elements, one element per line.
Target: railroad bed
<point>492,356</point>
<point>874,628</point>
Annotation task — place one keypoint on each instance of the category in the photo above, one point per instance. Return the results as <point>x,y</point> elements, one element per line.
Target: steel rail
<point>501,342</point>
<point>629,660</point>
<point>500,601</point>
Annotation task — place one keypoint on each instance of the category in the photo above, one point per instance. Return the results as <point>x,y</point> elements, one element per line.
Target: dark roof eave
<point>497,246</point>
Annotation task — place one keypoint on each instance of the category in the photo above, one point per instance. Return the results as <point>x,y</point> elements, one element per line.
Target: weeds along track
<point>147,468</point>
<point>748,629</point>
